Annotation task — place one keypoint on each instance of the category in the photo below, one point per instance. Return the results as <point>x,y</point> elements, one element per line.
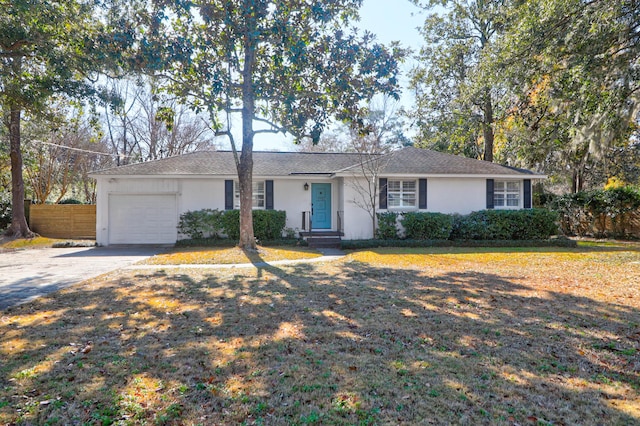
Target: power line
<point>82,150</point>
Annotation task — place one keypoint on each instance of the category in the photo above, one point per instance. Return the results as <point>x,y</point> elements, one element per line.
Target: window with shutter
<point>257,197</point>
<point>401,194</point>
<point>506,194</point>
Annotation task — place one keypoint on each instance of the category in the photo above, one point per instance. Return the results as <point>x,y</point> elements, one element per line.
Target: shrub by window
<point>387,226</point>
<point>529,224</point>
<point>427,226</point>
<point>207,223</point>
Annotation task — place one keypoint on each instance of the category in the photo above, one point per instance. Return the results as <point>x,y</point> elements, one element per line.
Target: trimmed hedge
<point>427,226</point>
<point>528,224</point>
<point>212,224</point>
<point>267,224</point>
<point>366,244</point>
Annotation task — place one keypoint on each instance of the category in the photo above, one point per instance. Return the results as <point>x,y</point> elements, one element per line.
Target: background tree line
<point>551,85</point>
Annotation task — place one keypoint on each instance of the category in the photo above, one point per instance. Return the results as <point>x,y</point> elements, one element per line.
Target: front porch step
<point>324,241</point>
<point>306,234</point>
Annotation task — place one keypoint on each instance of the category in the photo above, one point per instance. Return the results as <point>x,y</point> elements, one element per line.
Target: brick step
<point>324,242</point>
<point>306,234</point>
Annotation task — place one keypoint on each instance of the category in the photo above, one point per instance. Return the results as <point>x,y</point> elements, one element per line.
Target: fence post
<point>27,211</point>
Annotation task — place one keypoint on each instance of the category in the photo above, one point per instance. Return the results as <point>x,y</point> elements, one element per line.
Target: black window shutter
<point>383,194</point>
<point>268,188</point>
<point>422,194</point>
<point>527,193</point>
<point>490,204</point>
<point>228,195</point>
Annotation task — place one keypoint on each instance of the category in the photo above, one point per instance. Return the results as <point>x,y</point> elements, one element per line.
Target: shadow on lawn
<point>329,344</point>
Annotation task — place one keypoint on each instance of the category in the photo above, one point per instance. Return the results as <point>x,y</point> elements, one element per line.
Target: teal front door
<point>321,205</point>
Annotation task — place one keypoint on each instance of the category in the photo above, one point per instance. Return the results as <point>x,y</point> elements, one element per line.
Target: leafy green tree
<point>49,48</point>
<point>283,67</point>
<point>573,73</point>
<point>456,99</point>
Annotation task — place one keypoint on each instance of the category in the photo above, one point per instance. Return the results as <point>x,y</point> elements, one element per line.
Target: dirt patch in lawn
<point>409,336</point>
<point>229,255</point>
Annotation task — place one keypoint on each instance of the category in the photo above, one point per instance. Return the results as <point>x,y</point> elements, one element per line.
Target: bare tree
<point>144,125</point>
<point>383,133</point>
<point>336,140</point>
<point>60,148</point>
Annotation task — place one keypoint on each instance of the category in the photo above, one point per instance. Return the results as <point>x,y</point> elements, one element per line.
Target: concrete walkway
<point>328,255</point>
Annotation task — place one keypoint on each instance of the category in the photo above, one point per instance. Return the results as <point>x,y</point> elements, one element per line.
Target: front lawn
<point>229,255</point>
<point>535,336</point>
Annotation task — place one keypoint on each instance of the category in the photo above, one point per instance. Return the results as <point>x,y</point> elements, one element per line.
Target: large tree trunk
<point>487,128</point>
<point>19,227</point>
<point>245,167</point>
<point>245,171</point>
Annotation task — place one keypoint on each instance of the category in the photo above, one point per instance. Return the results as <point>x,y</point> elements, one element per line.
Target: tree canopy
<point>283,67</point>
<point>457,101</point>
<point>574,69</point>
<point>562,78</point>
<point>49,48</point>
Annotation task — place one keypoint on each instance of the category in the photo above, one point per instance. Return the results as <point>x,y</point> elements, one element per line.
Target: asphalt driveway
<point>27,274</point>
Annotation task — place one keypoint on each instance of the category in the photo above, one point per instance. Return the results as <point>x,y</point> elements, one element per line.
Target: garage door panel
<point>142,219</point>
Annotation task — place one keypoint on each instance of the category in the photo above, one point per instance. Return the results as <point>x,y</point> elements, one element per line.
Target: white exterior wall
<point>198,194</point>
<point>357,221</point>
<point>290,196</point>
<point>456,195</point>
<point>444,194</point>
<point>208,193</point>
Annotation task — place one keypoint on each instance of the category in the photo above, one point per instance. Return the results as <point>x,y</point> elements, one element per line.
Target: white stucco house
<point>141,203</point>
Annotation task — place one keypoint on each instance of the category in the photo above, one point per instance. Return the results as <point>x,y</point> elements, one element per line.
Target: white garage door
<point>142,219</point>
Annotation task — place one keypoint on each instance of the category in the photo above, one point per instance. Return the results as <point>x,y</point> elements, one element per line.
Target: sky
<point>389,20</point>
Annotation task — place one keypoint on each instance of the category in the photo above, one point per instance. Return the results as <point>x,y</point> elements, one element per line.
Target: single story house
<point>141,203</point>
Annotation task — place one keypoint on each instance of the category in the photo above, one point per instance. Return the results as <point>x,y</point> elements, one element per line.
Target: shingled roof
<point>415,161</point>
<point>404,161</point>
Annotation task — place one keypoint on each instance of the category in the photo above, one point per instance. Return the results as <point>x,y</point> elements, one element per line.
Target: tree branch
<point>274,127</point>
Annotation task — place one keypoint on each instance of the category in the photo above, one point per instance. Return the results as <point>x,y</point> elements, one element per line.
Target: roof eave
<point>455,175</point>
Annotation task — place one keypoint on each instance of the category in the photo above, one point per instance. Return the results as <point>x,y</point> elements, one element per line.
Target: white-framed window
<point>506,194</point>
<point>257,197</point>
<point>401,194</point>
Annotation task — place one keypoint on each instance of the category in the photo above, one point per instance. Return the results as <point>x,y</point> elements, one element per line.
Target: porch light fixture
<point>306,186</point>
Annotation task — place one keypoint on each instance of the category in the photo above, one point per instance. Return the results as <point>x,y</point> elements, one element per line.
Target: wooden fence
<point>586,225</point>
<point>76,221</point>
